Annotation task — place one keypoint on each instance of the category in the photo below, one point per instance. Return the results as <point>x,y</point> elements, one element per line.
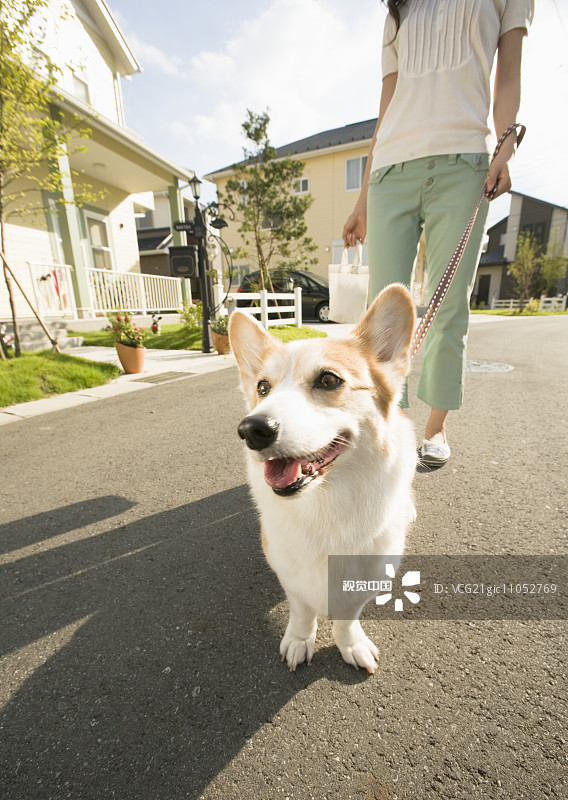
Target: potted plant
<point>220,330</point>
<point>129,341</point>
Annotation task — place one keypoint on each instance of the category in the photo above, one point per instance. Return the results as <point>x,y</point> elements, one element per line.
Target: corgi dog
<point>331,459</point>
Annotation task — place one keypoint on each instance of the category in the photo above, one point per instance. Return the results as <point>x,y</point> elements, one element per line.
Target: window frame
<point>299,181</point>
<point>362,166</point>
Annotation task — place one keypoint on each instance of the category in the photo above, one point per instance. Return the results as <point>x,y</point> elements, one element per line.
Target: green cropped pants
<point>438,193</point>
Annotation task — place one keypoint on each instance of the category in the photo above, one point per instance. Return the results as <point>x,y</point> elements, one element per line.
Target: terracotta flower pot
<point>131,358</point>
<point>221,342</point>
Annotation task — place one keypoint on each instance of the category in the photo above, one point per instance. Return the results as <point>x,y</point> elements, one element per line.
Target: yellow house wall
<point>331,205</point>
<point>332,202</point>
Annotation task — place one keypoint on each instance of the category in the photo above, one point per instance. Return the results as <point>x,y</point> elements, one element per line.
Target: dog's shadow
<point>162,655</point>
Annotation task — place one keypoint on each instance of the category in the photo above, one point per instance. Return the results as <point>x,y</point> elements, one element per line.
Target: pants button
<point>430,181</point>
<point>431,164</point>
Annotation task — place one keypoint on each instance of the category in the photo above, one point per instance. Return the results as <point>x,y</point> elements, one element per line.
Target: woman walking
<point>429,162</point>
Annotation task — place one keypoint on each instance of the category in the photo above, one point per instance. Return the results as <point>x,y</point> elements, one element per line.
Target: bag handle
<point>357,259</point>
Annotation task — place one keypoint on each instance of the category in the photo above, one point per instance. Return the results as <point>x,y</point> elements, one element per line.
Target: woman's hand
<point>498,178</point>
<point>355,228</point>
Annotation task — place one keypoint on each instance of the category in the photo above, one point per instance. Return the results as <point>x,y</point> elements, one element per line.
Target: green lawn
<point>37,375</point>
<point>177,337</point>
<point>511,312</point>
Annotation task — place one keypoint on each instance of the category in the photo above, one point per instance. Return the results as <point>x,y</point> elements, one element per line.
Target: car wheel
<point>322,312</point>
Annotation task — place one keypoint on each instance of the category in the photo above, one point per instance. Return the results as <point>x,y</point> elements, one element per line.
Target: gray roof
<point>356,132</point>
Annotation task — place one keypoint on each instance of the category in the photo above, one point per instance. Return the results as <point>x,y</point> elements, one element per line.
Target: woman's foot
<point>434,452</point>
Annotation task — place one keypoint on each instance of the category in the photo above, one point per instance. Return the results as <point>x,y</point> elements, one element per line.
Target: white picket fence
<point>553,303</point>
<point>133,291</point>
<point>270,314</point>
<point>546,303</point>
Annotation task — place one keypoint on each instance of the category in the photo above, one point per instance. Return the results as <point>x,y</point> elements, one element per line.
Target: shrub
<point>533,306</point>
<point>125,331</point>
<point>221,325</point>
<point>192,314</point>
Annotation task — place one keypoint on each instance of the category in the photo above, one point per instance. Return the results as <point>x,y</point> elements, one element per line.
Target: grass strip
<point>178,337</point>
<point>37,375</point>
<point>513,312</point>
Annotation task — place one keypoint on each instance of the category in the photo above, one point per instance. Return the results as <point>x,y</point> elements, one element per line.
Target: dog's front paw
<point>295,650</point>
<point>356,648</point>
<point>361,654</point>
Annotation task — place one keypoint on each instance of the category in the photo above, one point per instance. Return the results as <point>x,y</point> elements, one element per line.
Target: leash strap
<point>447,277</point>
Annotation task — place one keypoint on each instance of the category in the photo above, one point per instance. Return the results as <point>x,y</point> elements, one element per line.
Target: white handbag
<point>348,288</point>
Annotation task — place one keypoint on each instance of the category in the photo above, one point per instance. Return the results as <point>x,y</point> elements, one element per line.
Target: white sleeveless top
<point>443,54</point>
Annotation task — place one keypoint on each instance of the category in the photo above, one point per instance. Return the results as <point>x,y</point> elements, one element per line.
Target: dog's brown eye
<point>263,387</point>
<point>328,380</point>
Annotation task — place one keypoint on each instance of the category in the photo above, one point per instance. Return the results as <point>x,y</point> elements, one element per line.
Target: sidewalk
<point>161,366</point>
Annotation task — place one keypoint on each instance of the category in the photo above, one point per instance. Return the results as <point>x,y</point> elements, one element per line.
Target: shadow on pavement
<point>38,528</point>
<point>169,658</point>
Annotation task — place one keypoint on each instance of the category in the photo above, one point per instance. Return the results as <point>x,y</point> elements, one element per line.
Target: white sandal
<point>434,454</point>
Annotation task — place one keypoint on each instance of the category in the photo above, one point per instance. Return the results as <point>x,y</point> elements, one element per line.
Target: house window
<point>302,186</point>
<point>354,172</point>
<point>81,89</point>
<point>536,229</point>
<point>101,254</point>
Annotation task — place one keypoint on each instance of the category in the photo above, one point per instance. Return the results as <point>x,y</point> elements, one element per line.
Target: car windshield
<point>320,280</point>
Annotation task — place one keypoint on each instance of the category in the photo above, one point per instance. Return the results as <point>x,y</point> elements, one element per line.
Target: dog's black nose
<point>258,431</point>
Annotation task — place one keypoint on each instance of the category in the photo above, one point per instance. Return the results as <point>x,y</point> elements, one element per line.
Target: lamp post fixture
<point>200,234</point>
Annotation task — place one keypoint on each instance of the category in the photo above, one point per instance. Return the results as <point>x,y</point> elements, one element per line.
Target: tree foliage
<point>270,213</point>
<point>553,265</point>
<point>525,267</point>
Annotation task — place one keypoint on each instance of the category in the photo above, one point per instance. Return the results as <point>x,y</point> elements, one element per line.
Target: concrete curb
<point>184,363</point>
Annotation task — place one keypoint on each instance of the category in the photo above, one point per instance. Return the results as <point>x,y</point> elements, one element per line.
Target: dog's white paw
<point>362,653</point>
<point>413,514</point>
<point>356,648</point>
<point>295,650</point>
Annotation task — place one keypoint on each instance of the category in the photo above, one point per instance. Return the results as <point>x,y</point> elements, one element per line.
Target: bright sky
<point>315,64</point>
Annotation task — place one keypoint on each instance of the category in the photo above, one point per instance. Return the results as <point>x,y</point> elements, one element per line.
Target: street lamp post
<point>200,234</point>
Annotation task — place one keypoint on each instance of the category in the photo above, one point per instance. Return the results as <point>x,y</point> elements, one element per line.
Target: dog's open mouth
<point>286,476</point>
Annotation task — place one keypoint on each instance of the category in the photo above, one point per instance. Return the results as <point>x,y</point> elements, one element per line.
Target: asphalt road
<point>140,623</point>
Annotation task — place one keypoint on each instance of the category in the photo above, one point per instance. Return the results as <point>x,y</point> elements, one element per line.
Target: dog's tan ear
<point>387,327</point>
<point>250,343</point>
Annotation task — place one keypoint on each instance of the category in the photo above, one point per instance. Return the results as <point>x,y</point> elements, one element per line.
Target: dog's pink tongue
<point>279,473</point>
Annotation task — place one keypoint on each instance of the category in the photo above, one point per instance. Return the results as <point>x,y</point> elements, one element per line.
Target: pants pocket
<point>478,162</point>
<point>378,175</point>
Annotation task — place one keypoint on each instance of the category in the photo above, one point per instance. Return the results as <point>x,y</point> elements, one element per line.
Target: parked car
<point>315,290</point>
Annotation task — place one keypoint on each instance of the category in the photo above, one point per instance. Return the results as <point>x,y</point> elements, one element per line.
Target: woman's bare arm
<point>506,102</point>
<point>356,226</point>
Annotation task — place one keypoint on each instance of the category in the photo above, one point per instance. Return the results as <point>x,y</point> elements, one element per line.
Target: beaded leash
<point>446,279</point>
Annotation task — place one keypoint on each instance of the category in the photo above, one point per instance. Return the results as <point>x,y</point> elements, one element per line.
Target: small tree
<point>553,265</point>
<point>525,266</point>
<point>32,134</point>
<point>271,214</point>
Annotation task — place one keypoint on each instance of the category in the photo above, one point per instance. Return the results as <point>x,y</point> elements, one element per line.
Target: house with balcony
<point>75,260</point>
